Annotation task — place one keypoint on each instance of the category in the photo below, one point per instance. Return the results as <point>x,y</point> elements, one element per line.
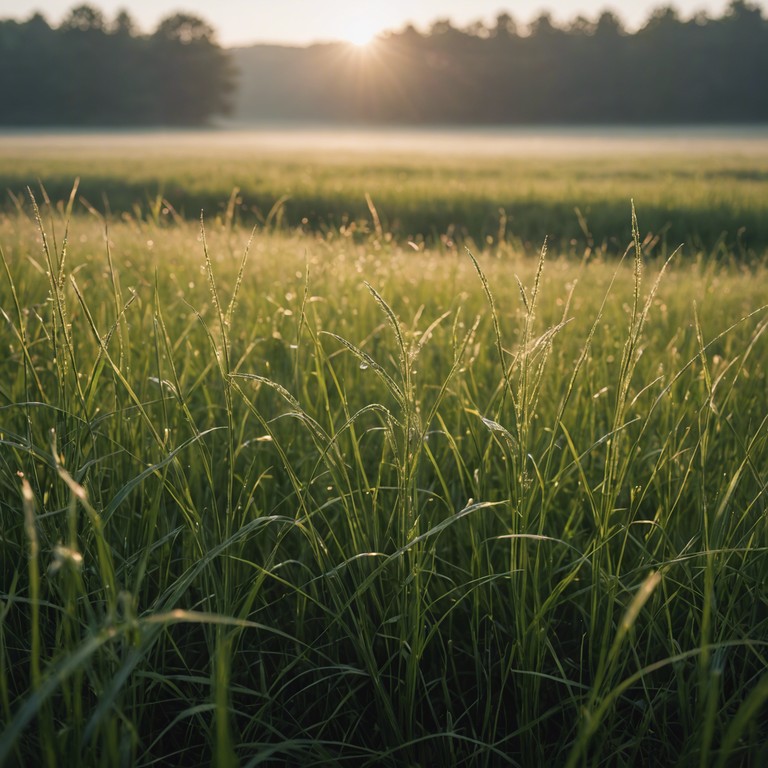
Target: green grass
<point>716,203</point>
<point>327,500</point>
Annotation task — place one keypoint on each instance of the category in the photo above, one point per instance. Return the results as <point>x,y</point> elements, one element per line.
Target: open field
<point>335,498</point>
<point>707,190</point>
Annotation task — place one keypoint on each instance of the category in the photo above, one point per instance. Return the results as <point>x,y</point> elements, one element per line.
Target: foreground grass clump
<point>257,511</point>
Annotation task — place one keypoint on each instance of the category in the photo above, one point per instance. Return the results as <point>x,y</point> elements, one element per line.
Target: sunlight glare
<point>360,31</point>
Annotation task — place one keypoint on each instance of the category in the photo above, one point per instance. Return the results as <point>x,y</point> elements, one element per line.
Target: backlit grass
<point>317,499</point>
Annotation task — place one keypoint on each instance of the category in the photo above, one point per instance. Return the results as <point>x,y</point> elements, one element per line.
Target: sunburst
<point>360,31</point>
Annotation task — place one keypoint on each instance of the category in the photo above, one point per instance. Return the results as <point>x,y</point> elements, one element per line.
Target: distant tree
<point>666,17</point>
<point>581,27</point>
<point>195,75</point>
<point>543,26</point>
<point>505,27</point>
<point>84,18</point>
<point>28,65</point>
<point>37,23</point>
<point>124,25</point>
<point>700,18</point>
<point>478,29</point>
<point>185,29</point>
<point>744,30</point>
<point>442,27</point>
<point>410,34</point>
<point>745,12</point>
<point>609,25</point>
<point>89,72</point>
<point>128,65</point>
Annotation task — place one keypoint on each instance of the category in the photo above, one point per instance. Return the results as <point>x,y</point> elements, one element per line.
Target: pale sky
<point>242,22</point>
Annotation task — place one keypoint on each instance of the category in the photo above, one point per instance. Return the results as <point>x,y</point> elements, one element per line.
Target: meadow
<point>708,191</point>
<point>348,491</point>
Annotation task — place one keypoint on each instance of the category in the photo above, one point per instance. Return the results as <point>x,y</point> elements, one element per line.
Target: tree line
<point>88,71</point>
<point>672,70</point>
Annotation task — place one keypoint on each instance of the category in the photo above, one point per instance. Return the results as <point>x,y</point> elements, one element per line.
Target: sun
<point>360,31</point>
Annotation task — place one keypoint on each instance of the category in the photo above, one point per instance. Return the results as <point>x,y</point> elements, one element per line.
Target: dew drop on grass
<point>363,366</point>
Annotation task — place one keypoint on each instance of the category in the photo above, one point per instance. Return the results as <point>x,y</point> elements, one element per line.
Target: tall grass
<point>324,501</point>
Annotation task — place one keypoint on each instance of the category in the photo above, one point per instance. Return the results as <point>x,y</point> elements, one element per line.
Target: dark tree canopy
<point>591,71</point>
<point>93,72</point>
<point>97,71</point>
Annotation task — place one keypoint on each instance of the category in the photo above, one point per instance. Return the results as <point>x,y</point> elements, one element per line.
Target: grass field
<point>337,498</point>
<point>709,194</point>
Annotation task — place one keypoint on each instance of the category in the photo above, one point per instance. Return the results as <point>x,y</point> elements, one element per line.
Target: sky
<point>243,22</point>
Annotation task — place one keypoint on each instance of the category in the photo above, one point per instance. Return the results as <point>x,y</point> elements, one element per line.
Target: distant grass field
<point>255,512</point>
<point>711,197</point>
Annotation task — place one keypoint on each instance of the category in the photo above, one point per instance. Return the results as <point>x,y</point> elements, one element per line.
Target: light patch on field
<point>472,142</point>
